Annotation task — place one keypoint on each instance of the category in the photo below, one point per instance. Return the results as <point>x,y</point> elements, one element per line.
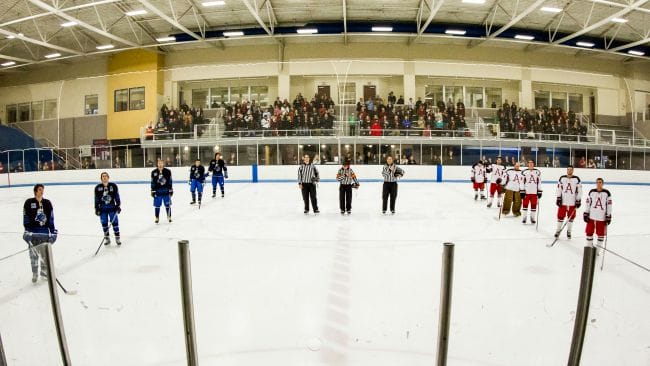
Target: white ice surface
<point>275,287</point>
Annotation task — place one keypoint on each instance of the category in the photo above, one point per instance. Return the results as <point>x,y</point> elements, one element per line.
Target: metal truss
<point>254,9</point>
<point>433,7</point>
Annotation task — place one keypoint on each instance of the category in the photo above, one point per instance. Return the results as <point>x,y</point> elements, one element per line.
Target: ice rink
<point>275,287</point>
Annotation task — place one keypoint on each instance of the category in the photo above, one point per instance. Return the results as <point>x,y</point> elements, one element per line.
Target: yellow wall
<point>131,69</point>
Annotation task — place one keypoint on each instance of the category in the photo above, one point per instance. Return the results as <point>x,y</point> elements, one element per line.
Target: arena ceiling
<point>34,32</point>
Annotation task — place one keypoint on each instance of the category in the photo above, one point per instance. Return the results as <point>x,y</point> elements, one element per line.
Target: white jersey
<point>498,172</point>
<point>569,190</point>
<point>532,181</point>
<point>478,173</point>
<point>599,205</point>
<point>514,180</point>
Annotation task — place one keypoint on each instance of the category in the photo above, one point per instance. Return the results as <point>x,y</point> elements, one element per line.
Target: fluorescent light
<point>133,13</point>
<point>53,55</point>
<point>69,24</point>
<point>214,3</point>
<point>636,53</point>
<point>11,37</point>
<point>585,44</point>
<point>619,20</point>
<point>307,30</point>
<point>458,32</point>
<point>233,34</point>
<point>166,39</point>
<point>550,9</point>
<point>382,29</point>
<point>474,1</point>
<point>8,63</point>
<point>105,47</point>
<point>524,37</point>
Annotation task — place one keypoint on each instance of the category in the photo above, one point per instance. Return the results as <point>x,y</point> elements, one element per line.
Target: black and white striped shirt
<point>347,177</point>
<point>307,173</point>
<point>392,173</point>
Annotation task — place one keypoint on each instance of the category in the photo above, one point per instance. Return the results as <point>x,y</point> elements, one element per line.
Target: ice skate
<point>34,277</point>
<point>118,241</point>
<point>107,240</point>
<point>157,220</point>
<point>568,235</point>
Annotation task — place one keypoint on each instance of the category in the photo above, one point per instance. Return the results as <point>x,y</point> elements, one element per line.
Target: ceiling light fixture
<point>233,34</point>
<point>551,9</point>
<point>585,44</point>
<point>53,55</point>
<point>166,39</point>
<point>524,37</point>
<point>619,20</point>
<point>8,63</point>
<point>133,13</point>
<point>382,29</point>
<point>69,24</point>
<point>456,32</point>
<point>307,31</point>
<point>636,53</point>
<point>474,1</point>
<point>105,47</point>
<point>213,3</point>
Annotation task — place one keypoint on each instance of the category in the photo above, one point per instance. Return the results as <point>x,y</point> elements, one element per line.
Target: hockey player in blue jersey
<point>38,221</point>
<point>162,190</point>
<point>219,172</point>
<point>107,207</point>
<point>197,180</point>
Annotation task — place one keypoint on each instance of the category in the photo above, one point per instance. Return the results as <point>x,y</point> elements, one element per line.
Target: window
<point>50,109</point>
<point>91,105</point>
<point>559,100</point>
<point>542,99</point>
<point>260,94</point>
<point>121,100</point>
<point>37,110</point>
<point>12,113</point>
<point>200,98</point>
<point>23,112</point>
<point>136,98</point>
<point>493,97</point>
<point>433,94</point>
<point>474,97</point>
<point>575,103</point>
<point>455,93</point>
<point>347,93</point>
<point>218,96</point>
<point>238,94</point>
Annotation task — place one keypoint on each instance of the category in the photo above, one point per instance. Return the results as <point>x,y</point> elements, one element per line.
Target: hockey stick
<point>67,292</point>
<point>537,216</point>
<point>557,237</point>
<point>602,262</point>
<point>102,242</point>
<point>35,252</point>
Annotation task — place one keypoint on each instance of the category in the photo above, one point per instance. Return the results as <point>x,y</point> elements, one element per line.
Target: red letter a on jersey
<point>599,204</point>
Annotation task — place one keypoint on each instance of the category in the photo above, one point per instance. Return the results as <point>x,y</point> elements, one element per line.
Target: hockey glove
<point>189,182</point>
<point>608,219</point>
<point>585,216</point>
<point>171,192</point>
<point>53,236</point>
<point>522,195</point>
<point>578,204</point>
<point>153,194</point>
<point>118,209</point>
<point>97,212</point>
<point>472,179</point>
<point>27,236</point>
<point>225,175</point>
<point>498,180</point>
<point>539,194</point>
<point>558,201</point>
<point>356,186</point>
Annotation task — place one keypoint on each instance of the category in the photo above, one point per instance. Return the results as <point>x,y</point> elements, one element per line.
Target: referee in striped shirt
<point>307,179</point>
<point>391,173</point>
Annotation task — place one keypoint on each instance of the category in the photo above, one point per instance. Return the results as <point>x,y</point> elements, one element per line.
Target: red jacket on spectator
<point>375,128</point>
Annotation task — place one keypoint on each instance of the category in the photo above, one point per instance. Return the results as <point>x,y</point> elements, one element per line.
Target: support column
<point>526,99</point>
<point>284,84</point>
<point>409,81</point>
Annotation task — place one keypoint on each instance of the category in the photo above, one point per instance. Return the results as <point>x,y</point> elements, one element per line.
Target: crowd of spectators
<point>301,117</point>
<point>514,121</point>
<point>395,117</point>
<point>176,121</point>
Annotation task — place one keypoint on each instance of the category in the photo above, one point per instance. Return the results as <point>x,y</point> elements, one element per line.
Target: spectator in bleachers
<point>376,128</point>
<point>2,168</point>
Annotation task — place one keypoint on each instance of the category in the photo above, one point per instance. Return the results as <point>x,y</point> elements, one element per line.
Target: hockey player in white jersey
<point>598,213</point>
<point>478,178</point>
<point>498,176</point>
<point>568,200</point>
<point>531,191</point>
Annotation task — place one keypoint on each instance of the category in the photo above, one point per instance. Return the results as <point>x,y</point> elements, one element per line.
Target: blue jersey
<point>107,197</point>
<point>38,216</point>
<point>161,181</point>
<point>217,167</point>
<point>197,173</point>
